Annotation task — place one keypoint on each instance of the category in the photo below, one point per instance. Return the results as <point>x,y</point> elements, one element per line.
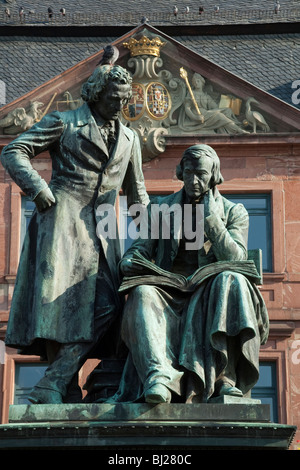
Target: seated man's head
<point>107,90</point>
<point>199,169</point>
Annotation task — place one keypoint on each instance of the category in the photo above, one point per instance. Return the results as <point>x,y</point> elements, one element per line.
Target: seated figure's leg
<point>151,330</point>
<point>225,384</point>
<point>232,326</point>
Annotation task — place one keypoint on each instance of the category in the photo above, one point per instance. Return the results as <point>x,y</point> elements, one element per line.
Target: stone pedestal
<point>239,424</point>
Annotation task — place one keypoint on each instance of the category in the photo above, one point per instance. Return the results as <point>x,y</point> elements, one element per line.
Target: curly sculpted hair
<point>101,77</point>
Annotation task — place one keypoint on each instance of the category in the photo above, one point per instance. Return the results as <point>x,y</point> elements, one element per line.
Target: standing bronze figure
<point>66,294</point>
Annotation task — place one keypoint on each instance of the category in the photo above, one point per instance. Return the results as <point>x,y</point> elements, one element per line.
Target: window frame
<point>11,359</point>
<point>122,213</point>
<point>259,212</point>
<point>271,392</point>
<point>25,214</point>
<point>279,358</point>
<point>17,389</point>
<point>276,348</point>
<point>275,189</point>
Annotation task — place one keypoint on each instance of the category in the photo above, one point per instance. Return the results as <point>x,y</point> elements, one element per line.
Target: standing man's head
<point>107,90</point>
<point>199,169</point>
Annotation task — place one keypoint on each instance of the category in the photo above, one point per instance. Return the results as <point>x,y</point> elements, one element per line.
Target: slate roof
<point>27,62</point>
<point>144,7</point>
<point>270,62</point>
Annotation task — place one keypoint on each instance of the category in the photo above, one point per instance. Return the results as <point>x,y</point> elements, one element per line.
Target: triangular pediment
<point>175,92</point>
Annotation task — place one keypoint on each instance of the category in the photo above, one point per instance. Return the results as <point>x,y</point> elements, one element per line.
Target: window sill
<point>275,276</point>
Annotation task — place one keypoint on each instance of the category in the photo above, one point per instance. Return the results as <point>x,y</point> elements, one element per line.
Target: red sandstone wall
<point>253,165</point>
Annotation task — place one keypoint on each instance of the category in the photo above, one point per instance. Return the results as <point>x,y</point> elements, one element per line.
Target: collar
<point>102,123</point>
<point>85,116</point>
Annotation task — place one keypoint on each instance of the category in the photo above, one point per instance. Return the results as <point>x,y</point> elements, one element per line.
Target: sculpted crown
<point>144,46</point>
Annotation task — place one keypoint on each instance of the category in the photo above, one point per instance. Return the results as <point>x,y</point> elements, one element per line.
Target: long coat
<point>55,286</point>
<point>193,328</point>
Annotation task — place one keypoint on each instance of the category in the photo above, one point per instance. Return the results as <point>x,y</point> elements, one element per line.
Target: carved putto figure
<point>19,120</point>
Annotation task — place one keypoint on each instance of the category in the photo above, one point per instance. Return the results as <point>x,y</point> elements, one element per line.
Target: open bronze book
<point>154,275</point>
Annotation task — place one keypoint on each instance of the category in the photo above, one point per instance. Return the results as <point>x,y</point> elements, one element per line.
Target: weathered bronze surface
<point>192,346</point>
<point>66,293</point>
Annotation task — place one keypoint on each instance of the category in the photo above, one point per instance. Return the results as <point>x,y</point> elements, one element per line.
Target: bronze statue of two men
<point>67,307</point>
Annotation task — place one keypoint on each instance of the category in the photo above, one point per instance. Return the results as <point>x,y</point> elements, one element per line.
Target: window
<point>260,227</point>
<point>126,223</point>
<point>27,208</point>
<point>266,387</point>
<point>26,377</point>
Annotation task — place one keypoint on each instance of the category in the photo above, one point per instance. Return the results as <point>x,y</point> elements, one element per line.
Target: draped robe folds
<point>216,120</point>
<point>180,339</point>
